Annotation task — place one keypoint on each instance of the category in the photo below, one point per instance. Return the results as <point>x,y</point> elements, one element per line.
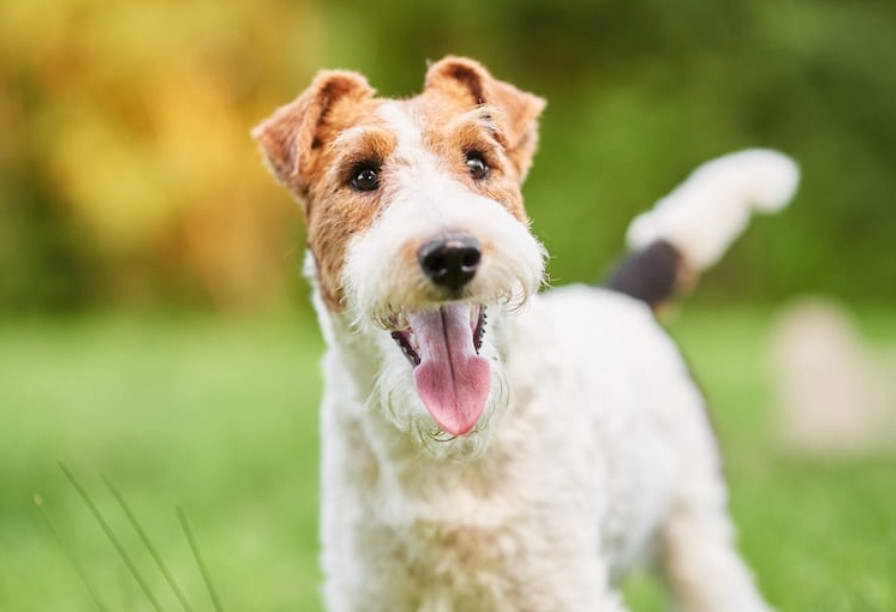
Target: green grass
<point>218,416</point>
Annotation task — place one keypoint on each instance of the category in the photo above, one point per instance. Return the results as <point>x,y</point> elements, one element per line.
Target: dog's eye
<point>476,165</point>
<point>365,177</point>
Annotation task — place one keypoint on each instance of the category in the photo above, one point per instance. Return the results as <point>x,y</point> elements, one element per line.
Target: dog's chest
<point>517,562</point>
<point>531,533</point>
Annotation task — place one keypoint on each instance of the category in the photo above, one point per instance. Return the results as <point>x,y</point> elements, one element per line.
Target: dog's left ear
<point>470,81</point>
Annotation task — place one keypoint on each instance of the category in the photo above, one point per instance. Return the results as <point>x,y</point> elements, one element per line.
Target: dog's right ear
<point>292,136</point>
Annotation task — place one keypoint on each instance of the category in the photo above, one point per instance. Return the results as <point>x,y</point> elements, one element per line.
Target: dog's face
<point>417,230</point>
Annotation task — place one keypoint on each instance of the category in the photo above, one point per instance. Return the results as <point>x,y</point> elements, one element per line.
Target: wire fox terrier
<point>487,447</point>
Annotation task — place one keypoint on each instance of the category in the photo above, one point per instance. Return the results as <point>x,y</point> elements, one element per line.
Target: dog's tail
<point>688,231</point>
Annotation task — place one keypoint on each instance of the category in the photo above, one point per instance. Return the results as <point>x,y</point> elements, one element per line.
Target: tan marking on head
<point>306,152</point>
<point>293,135</point>
<point>470,84</point>
<point>336,212</point>
<point>453,131</point>
<point>313,143</point>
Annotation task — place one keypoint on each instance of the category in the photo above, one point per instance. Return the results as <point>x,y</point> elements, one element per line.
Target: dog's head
<point>417,230</point>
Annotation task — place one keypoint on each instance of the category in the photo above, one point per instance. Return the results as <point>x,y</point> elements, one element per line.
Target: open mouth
<point>407,341</point>
<point>452,379</point>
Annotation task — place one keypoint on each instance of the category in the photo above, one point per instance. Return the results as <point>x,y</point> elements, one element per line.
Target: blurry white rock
<point>833,395</point>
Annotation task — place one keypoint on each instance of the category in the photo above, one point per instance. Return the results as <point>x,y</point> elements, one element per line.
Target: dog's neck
<point>403,466</point>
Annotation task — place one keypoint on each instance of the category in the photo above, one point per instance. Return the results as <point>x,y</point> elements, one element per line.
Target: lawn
<point>218,416</point>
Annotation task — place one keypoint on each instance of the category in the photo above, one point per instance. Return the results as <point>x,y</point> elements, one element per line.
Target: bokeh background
<point>154,327</point>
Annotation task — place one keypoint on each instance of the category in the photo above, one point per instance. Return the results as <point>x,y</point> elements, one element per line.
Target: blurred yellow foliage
<point>138,114</point>
<point>127,174</point>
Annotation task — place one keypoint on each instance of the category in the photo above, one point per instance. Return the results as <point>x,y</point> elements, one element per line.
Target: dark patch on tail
<point>649,275</point>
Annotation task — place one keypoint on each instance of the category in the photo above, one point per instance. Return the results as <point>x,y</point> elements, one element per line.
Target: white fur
<point>707,212</point>
<point>595,451</point>
<point>381,287</point>
<point>594,465</point>
<point>424,202</point>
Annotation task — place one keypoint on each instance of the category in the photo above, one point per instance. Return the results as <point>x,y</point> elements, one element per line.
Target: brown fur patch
<point>468,80</point>
<point>313,143</point>
<point>301,146</point>
<point>293,134</point>
<point>452,130</point>
<point>335,211</point>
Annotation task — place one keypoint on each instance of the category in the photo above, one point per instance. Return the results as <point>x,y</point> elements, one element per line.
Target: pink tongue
<point>452,380</point>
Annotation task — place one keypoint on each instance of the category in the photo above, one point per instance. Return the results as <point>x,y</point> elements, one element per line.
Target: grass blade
<point>202,568</point>
<point>169,578</point>
<point>39,502</point>
<point>111,535</point>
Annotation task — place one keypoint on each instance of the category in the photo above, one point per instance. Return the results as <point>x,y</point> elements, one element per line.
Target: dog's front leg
<point>444,602</point>
<point>702,566</point>
<point>580,583</point>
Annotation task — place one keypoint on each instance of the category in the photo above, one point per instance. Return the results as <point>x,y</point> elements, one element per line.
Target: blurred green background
<point>154,327</point>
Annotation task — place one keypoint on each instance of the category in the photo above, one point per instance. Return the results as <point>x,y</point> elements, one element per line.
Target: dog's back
<point>626,390</point>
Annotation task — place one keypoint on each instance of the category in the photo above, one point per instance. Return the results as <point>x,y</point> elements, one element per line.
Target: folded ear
<point>469,81</point>
<point>295,132</point>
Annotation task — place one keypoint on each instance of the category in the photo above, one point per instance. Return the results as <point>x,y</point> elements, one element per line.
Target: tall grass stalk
<point>39,502</point>
<point>169,578</point>
<point>216,602</point>
<point>111,535</point>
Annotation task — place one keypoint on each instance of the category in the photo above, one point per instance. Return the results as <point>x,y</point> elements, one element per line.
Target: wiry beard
<point>385,313</point>
<point>380,296</point>
<point>395,396</point>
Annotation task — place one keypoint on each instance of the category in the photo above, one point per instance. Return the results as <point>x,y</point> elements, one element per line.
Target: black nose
<point>450,261</point>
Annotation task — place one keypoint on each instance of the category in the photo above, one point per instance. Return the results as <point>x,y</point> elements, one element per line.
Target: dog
<point>487,447</point>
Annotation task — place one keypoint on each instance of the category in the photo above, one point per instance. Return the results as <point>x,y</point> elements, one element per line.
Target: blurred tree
<point>129,174</point>
<point>129,132</point>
